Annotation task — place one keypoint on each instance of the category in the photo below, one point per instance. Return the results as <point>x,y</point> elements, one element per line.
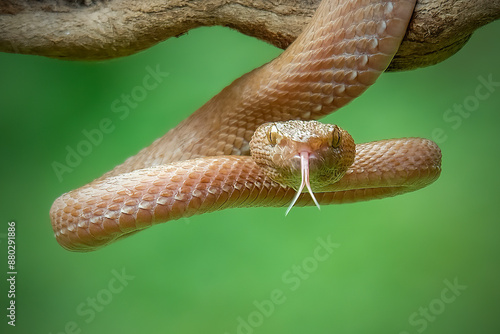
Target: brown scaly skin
<point>202,165</point>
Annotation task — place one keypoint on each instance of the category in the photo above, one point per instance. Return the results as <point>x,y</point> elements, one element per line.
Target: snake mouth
<point>304,171</point>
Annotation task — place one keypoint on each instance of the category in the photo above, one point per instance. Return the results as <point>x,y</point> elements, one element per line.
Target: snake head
<point>303,154</point>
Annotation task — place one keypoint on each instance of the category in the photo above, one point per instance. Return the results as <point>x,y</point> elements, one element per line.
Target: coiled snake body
<point>204,164</point>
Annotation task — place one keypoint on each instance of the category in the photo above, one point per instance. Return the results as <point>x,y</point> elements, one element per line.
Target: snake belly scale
<point>204,164</point>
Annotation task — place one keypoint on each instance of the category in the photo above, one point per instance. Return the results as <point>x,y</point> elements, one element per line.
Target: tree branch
<point>97,30</point>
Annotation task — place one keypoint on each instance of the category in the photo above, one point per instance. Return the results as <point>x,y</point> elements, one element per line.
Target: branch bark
<point>97,30</point>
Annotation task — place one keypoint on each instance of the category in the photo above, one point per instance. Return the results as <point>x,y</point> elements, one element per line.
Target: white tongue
<point>304,167</point>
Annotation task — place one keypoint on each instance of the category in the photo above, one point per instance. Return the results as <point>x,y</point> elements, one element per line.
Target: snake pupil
<point>273,135</point>
<point>336,138</point>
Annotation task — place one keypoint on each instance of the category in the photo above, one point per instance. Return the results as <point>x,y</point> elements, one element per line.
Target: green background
<point>199,275</point>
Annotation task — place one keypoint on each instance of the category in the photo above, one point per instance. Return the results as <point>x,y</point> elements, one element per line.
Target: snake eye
<point>335,138</point>
<point>273,134</point>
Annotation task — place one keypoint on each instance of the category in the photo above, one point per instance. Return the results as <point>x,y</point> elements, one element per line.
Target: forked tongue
<point>304,168</point>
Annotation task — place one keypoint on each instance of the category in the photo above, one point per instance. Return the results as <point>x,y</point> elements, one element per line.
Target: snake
<point>258,143</point>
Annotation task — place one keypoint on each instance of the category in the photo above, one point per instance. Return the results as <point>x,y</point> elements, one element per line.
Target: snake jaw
<point>304,168</point>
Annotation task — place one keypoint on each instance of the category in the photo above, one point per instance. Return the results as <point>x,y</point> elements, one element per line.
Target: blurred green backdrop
<point>393,262</point>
